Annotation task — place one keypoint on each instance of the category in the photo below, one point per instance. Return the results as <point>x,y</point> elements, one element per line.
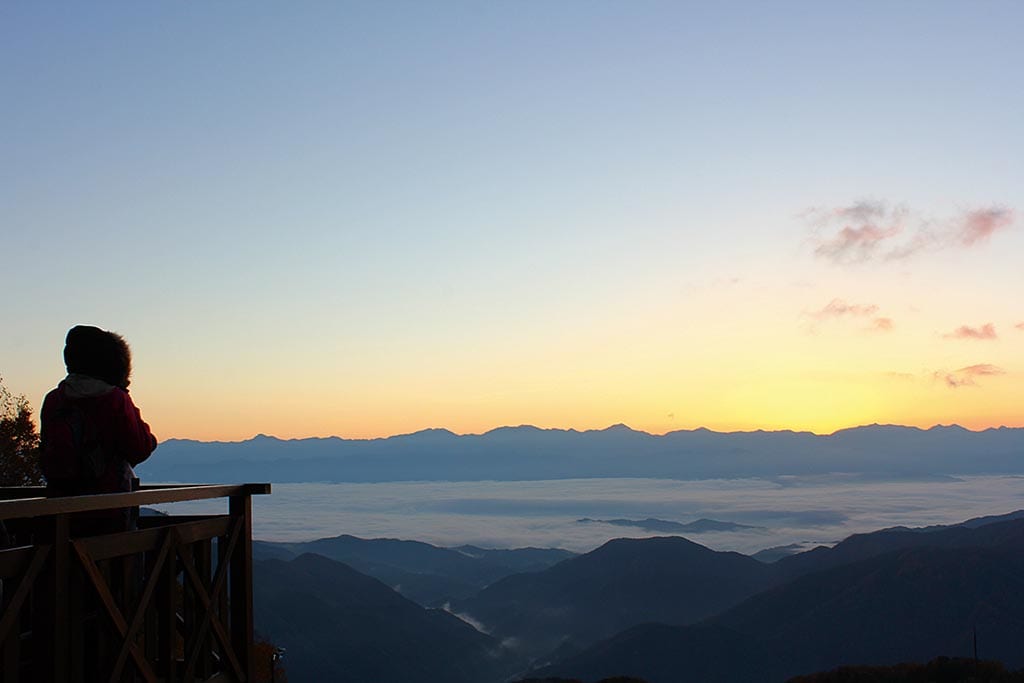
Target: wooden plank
<point>221,598</point>
<point>42,506</point>
<point>136,542</point>
<point>92,572</point>
<point>12,659</point>
<point>77,610</point>
<point>14,560</point>
<point>168,624</point>
<point>242,626</point>
<point>15,492</point>
<point>208,616</point>
<point>150,636</point>
<point>49,611</point>
<point>225,549</point>
<point>249,488</point>
<point>204,530</point>
<point>140,612</point>
<point>189,606</point>
<point>61,616</point>
<point>157,521</point>
<point>12,611</point>
<point>204,566</point>
<point>122,543</point>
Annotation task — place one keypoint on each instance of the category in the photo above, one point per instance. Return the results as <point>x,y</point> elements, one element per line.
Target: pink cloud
<point>986,331</point>
<point>881,324</point>
<point>900,376</point>
<point>872,230</point>
<point>855,243</point>
<point>966,377</point>
<point>980,224</point>
<point>1019,326</point>
<point>953,381</point>
<point>862,211</point>
<point>863,228</point>
<point>838,308</point>
<point>982,370</point>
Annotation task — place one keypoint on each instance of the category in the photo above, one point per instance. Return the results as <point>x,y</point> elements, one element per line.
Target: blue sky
<point>456,214</point>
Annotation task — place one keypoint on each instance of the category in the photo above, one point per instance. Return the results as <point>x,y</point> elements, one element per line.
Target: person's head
<point>98,353</point>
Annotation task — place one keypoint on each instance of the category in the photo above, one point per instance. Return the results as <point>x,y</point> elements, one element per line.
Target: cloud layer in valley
<point>819,509</point>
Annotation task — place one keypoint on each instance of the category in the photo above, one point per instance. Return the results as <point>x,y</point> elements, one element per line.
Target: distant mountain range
<point>525,453</point>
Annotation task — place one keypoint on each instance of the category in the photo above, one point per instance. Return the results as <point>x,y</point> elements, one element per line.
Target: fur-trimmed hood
<point>84,386</point>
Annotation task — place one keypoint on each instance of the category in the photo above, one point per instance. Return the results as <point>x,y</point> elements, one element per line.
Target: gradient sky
<point>363,219</point>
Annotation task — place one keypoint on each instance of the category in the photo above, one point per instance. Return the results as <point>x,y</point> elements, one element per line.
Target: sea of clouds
<point>806,510</point>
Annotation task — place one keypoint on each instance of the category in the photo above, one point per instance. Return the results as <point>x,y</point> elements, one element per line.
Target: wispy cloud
<point>837,308</point>
<point>881,325</point>
<point>985,332</point>
<point>864,230</point>
<point>873,230</point>
<point>979,225</point>
<point>900,376</point>
<point>1020,326</point>
<point>967,377</point>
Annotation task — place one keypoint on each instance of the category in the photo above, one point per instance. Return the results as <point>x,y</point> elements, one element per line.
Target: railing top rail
<point>14,506</point>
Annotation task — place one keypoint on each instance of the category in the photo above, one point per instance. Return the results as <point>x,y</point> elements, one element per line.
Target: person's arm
<point>134,439</point>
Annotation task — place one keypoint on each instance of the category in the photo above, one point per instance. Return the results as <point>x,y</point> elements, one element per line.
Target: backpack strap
<point>75,459</point>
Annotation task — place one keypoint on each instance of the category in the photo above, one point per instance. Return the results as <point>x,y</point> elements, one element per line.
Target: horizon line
<point>617,425</point>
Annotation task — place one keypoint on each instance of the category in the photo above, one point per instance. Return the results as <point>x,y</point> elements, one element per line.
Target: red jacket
<point>91,434</point>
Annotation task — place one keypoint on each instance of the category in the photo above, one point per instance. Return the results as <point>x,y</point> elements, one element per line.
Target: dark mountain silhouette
<point>622,583</point>
<point>659,653</point>
<point>974,522</point>
<point>517,559</point>
<point>939,670</point>
<point>422,572</point>
<point>981,532</point>
<point>908,604</point>
<point>613,679</point>
<point>340,625</point>
<point>518,453</point>
<point>662,526</point>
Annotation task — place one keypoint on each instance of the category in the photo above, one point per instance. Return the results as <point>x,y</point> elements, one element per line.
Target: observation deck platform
<point>170,601</point>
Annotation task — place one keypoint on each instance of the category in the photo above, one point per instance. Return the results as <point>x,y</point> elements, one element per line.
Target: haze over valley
<point>823,487</point>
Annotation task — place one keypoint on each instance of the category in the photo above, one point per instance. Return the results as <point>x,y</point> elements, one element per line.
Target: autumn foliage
<point>19,442</point>
<point>263,654</point>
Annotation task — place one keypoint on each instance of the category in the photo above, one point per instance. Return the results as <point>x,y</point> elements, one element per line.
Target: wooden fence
<point>170,601</point>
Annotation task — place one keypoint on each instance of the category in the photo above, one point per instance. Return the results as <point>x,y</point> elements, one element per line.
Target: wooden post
<point>12,644</point>
<point>241,585</point>
<point>80,621</point>
<point>51,628</point>
<point>204,668</point>
<point>168,611</point>
<point>60,580</point>
<point>223,608</point>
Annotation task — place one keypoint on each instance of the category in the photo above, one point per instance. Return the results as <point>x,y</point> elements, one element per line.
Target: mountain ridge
<point>882,606</point>
<point>571,430</point>
<point>527,453</point>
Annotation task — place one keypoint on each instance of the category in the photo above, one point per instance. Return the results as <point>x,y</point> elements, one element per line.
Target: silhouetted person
<point>91,434</point>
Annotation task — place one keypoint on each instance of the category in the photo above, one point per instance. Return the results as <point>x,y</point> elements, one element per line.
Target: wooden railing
<point>168,601</point>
